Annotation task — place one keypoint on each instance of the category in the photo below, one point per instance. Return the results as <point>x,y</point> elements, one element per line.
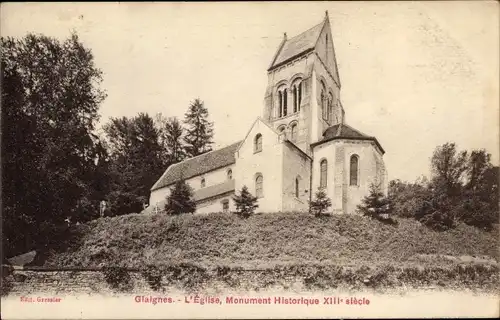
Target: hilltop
<point>269,240</point>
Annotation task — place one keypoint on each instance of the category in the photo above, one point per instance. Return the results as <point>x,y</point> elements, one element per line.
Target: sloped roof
<point>198,165</point>
<point>343,131</point>
<point>297,45</point>
<point>199,195</point>
<point>215,190</point>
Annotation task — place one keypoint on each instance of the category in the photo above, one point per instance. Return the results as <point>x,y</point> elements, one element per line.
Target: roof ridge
<point>322,22</point>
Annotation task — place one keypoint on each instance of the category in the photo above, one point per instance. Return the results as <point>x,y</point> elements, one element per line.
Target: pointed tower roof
<point>290,49</point>
<point>301,44</point>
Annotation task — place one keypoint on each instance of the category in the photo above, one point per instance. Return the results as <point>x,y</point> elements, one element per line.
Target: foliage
<point>171,138</point>
<point>407,198</point>
<point>448,167</point>
<point>118,278</point>
<point>463,188</point>
<point>199,133</point>
<point>135,161</point>
<point>180,199</point>
<point>153,276</point>
<point>50,101</point>
<point>245,202</point>
<point>376,205</point>
<point>278,238</point>
<point>320,204</point>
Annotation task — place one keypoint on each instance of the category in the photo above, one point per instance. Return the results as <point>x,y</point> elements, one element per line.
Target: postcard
<point>250,160</point>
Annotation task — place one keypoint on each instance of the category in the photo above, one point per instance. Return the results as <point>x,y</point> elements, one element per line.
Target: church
<point>300,144</point>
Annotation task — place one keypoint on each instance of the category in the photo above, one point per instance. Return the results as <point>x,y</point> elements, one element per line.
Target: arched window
<point>202,184</point>
<point>323,173</point>
<point>297,182</point>
<point>229,174</point>
<point>297,95</point>
<point>353,171</point>
<point>285,96</point>
<point>259,191</point>
<point>257,144</point>
<point>293,132</point>
<point>280,104</point>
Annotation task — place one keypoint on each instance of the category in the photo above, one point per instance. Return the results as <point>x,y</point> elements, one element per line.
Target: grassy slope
<point>268,239</point>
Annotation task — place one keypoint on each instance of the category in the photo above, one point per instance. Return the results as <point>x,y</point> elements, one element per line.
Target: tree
<point>320,204</point>
<point>136,161</point>
<point>50,101</point>
<point>171,139</point>
<point>376,205</point>
<point>479,205</point>
<point>180,199</point>
<point>245,202</point>
<point>199,133</point>
<point>448,167</point>
<point>408,198</point>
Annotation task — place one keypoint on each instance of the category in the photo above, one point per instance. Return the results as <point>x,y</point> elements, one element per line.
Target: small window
<point>285,95</point>
<point>293,132</point>
<point>229,174</point>
<point>297,185</point>
<point>202,182</point>
<point>280,104</point>
<point>297,96</point>
<point>259,180</point>
<point>225,206</point>
<point>323,173</point>
<point>353,172</point>
<point>257,143</point>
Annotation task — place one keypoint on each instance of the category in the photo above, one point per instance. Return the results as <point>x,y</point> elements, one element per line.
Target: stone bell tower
<point>302,98</point>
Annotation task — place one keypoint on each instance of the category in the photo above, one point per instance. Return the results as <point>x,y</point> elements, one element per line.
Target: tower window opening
<point>285,102</point>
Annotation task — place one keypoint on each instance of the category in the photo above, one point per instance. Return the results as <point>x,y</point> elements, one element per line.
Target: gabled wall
<point>268,162</point>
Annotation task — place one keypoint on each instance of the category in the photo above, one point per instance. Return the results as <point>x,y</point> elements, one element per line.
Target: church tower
<point>302,98</point>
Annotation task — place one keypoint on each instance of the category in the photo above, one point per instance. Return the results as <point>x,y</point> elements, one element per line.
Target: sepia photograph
<point>250,159</point>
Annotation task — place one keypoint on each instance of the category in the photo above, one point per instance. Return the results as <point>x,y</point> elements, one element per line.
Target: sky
<point>413,74</point>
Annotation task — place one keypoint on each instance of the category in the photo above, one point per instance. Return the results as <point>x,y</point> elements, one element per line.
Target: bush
<point>407,199</point>
<point>245,203</point>
<point>320,204</point>
<point>6,285</point>
<point>153,276</point>
<point>118,278</point>
<point>376,206</point>
<point>180,199</point>
<point>121,202</point>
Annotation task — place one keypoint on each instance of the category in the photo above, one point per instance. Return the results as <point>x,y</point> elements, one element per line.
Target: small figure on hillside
<point>319,206</point>
<point>245,203</point>
<point>102,207</point>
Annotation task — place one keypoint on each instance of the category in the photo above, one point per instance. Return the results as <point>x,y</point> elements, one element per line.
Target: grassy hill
<point>269,240</point>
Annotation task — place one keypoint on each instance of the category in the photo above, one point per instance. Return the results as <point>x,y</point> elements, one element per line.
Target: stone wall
<point>299,278</point>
